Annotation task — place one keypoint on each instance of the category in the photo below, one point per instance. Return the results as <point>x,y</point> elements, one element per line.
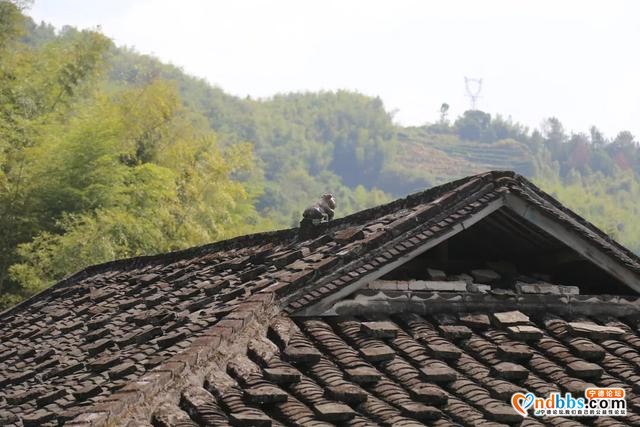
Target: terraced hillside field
<point>446,156</point>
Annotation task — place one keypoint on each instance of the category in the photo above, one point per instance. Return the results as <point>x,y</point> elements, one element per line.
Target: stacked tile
<point>409,370</point>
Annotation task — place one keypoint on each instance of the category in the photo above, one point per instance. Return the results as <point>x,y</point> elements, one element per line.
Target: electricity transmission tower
<point>473,88</point>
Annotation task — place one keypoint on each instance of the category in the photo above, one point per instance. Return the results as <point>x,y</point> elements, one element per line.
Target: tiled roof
<point>408,369</point>
<point>105,343</point>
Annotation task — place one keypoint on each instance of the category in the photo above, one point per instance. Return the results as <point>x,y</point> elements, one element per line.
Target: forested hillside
<point>106,153</point>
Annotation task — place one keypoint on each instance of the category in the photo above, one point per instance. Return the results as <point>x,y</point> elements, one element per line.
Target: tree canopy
<point>106,153</point>
<point>92,170</point>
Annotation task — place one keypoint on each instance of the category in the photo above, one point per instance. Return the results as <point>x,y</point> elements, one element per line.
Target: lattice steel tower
<point>473,88</point>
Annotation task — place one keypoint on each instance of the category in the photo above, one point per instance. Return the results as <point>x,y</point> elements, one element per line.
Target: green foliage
<point>129,174</point>
<point>38,85</point>
<point>11,23</point>
<point>106,153</point>
<point>611,203</point>
<point>306,144</point>
<point>475,125</point>
<point>91,170</point>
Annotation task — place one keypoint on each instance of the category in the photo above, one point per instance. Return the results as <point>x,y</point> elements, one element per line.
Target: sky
<point>575,60</point>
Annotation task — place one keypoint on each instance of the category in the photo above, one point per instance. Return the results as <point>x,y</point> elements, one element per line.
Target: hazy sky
<point>577,60</point>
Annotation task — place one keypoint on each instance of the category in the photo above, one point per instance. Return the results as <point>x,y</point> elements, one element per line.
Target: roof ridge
<point>504,177</point>
<point>245,240</point>
<point>178,308</point>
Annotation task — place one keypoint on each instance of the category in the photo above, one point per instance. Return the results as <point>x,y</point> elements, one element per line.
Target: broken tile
<point>586,349</point>
<point>455,332</point>
<point>170,339</point>
<point>420,411</point>
<point>146,333</point>
<point>594,331</point>
<point>584,370</point>
<point>121,370</point>
<point>51,396</point>
<point>104,362</point>
<point>377,353</point>
<point>476,321</point>
<point>524,333</point>
<point>38,417</point>
<point>514,353</point>
<point>305,355</point>
<point>44,355</point>
<point>97,347</point>
<point>249,419</point>
<point>363,375</point>
<point>348,235</point>
<point>439,374</point>
<point>509,371</point>
<point>18,398</point>
<point>346,393</point>
<point>282,375</point>
<point>444,351</point>
<point>334,412</point>
<point>265,395</point>
<point>379,329</point>
<point>429,394</point>
<point>86,392</point>
<point>510,318</point>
